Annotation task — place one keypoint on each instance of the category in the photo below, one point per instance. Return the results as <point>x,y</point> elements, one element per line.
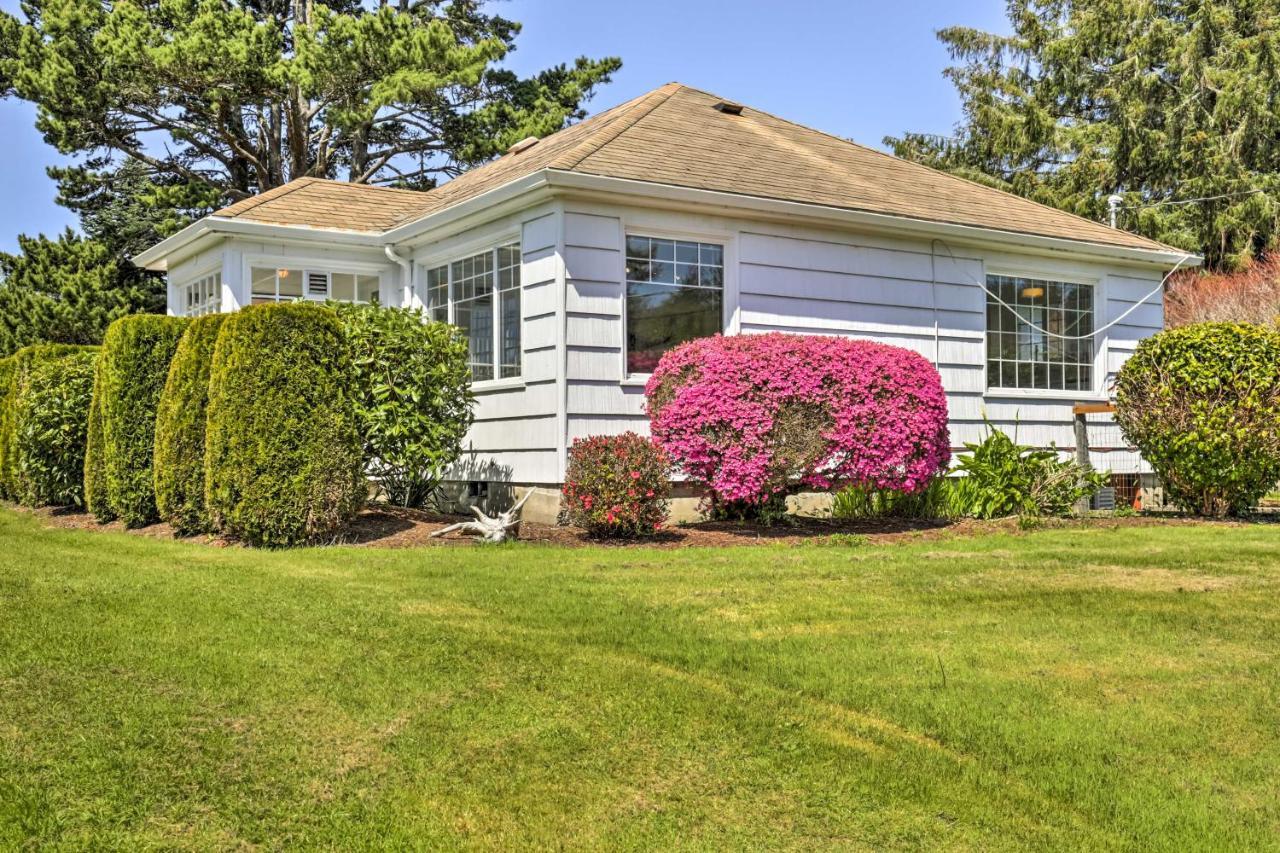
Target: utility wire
<point>1014,311</point>
<point>1170,202</point>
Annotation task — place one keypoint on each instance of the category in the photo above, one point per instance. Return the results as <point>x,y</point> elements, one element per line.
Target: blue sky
<point>856,69</point>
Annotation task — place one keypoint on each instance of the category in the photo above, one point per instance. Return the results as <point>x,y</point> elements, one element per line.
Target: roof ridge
<point>625,120</point>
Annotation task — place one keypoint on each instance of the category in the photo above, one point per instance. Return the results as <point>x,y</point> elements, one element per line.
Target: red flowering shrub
<point>617,485</point>
<point>754,417</point>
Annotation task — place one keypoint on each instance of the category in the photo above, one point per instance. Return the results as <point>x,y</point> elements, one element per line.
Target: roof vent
<point>523,145</point>
<point>729,107</point>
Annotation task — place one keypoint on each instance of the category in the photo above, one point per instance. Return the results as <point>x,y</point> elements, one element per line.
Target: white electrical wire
<point>1159,288</point>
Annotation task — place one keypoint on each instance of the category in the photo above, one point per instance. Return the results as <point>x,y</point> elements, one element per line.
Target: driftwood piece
<point>499,528</point>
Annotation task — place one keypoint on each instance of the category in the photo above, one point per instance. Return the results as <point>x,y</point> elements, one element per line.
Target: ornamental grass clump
<point>1202,403</point>
<point>617,485</point>
<point>756,417</point>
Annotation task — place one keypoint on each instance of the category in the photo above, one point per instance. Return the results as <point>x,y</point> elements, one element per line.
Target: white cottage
<point>574,261</point>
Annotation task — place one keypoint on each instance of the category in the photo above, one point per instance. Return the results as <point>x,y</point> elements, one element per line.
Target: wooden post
<point>1082,450</point>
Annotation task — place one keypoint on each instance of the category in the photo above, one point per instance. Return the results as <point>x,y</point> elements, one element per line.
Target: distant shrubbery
<point>283,455</point>
<point>756,417</point>
<point>1202,403</point>
<point>413,401</point>
<point>617,485</point>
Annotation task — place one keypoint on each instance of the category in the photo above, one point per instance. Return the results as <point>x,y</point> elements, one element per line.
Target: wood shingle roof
<point>674,135</point>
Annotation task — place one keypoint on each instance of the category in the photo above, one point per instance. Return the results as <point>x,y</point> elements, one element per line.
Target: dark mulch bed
<point>382,526</point>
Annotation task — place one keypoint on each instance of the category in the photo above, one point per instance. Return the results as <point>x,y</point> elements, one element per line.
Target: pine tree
<point>240,96</point>
<point>1173,104</point>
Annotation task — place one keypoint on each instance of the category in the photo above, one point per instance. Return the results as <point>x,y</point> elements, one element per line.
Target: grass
<point>1069,689</point>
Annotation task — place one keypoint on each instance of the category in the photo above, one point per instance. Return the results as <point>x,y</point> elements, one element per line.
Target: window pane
<point>475,318</point>
<point>1042,343</point>
<point>659,318</point>
<point>510,338</point>
<point>367,288</point>
<point>263,282</point>
<point>438,294</point>
<point>290,284</point>
<point>342,287</point>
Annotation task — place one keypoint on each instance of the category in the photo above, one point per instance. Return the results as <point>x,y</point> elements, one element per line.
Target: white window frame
<point>213,271</point>
<point>488,245</point>
<point>1062,274</point>
<point>307,266</point>
<point>640,226</point>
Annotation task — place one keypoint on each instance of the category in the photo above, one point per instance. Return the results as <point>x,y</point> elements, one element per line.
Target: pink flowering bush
<point>753,417</point>
<point>617,485</point>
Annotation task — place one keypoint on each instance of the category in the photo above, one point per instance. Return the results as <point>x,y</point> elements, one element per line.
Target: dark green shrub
<point>180,428</point>
<point>1004,478</point>
<point>136,352</point>
<point>7,367</point>
<point>95,473</point>
<point>414,402</point>
<point>1202,403</point>
<point>51,418</point>
<point>283,461</point>
<point>18,370</point>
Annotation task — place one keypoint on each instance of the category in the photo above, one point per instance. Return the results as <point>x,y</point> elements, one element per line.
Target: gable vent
<point>729,108</point>
<point>523,145</point>
<point>317,284</point>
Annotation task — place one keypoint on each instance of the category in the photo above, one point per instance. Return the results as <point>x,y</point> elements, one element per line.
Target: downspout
<point>406,274</point>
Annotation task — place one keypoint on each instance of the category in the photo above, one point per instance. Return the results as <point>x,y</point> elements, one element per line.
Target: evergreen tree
<point>1173,104</point>
<point>67,290</point>
<point>239,96</point>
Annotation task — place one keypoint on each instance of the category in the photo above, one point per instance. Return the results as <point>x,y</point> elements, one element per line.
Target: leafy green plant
<point>937,500</point>
<point>95,467</point>
<point>136,352</point>
<point>413,403</point>
<point>617,485</point>
<point>180,428</point>
<point>15,375</point>
<point>283,460</point>
<point>1202,403</point>
<point>51,418</point>
<point>1003,478</point>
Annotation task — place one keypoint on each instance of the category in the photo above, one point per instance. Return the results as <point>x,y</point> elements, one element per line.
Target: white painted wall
<point>778,277</point>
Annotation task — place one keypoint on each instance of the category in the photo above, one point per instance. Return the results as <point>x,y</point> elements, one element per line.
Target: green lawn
<point>1069,689</point>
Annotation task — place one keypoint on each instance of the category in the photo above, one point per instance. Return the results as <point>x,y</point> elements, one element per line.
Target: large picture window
<point>480,294</point>
<point>282,284</point>
<point>675,293</point>
<point>1024,349</point>
<point>203,296</point>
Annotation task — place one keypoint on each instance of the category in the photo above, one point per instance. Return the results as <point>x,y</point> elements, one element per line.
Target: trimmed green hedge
<point>282,453</point>
<point>51,418</point>
<point>19,367</point>
<point>180,428</point>
<point>95,467</point>
<point>136,352</point>
<point>1202,403</point>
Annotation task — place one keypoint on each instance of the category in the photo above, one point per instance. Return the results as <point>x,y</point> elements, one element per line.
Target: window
<point>286,285</point>
<point>1022,350</point>
<point>481,295</point>
<point>203,296</point>
<point>675,293</point>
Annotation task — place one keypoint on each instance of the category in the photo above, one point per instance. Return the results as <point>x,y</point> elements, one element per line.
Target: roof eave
<point>886,223</point>
<point>211,228</point>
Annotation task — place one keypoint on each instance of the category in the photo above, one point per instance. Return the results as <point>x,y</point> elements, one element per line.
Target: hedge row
<point>283,462</point>
<point>180,428</point>
<point>51,417</point>
<point>136,353</point>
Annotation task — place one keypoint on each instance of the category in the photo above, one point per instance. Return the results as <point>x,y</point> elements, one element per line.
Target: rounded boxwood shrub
<point>1202,404</point>
<point>18,371</point>
<point>753,417</point>
<point>95,469</point>
<point>136,352</point>
<point>414,400</point>
<point>283,462</point>
<point>617,485</point>
<point>180,428</point>
<point>51,418</point>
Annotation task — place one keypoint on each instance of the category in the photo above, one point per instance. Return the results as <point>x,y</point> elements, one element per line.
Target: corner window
<point>203,296</point>
<point>287,284</point>
<point>675,293</point>
<point>1024,349</point>
<point>480,294</point>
